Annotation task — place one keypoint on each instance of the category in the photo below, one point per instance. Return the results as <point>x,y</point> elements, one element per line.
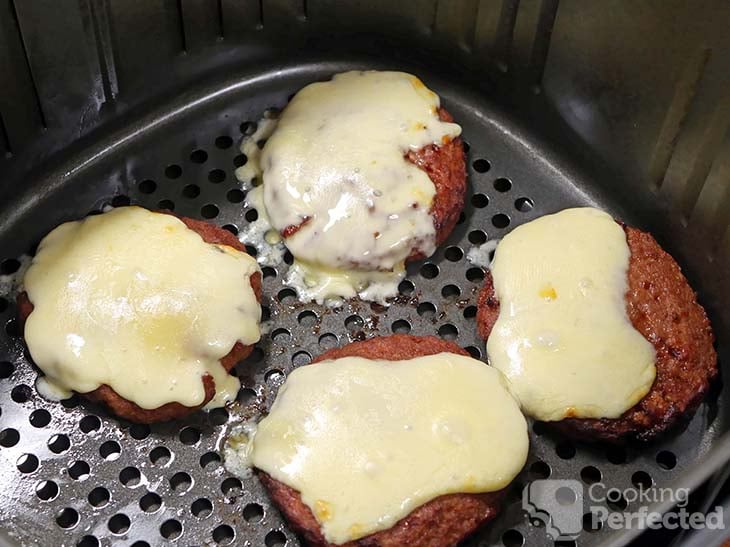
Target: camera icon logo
<point>558,504</point>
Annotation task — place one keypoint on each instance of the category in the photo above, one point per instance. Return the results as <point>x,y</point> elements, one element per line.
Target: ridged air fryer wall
<point>634,96</point>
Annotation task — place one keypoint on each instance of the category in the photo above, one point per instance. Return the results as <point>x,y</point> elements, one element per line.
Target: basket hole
<point>666,459</point>
<point>502,185</point>
<point>171,529</point>
<point>269,272</point>
<point>477,237</point>
<point>110,450</point>
<point>281,336</point>
<point>160,455</point>
<point>21,393</point>
<point>591,522</point>
<point>426,310</point>
<point>591,474</point>
<point>240,160</point>
<point>354,322</point>
<point>253,512</point>
<point>406,287</point>
<point>209,211</point>
<point>470,312</point>
<point>6,369</point>
<point>248,128</point>
<point>231,487</point>
<point>524,205</point>
<point>79,470</point>
<point>540,470</point>
<point>481,165</point>
<point>139,431</point>
<point>89,424</point>
<point>12,328</point>
<point>231,228</point>
<point>210,460</point>
<point>429,270</point>
<point>9,266</point>
<point>328,341</point>
<point>642,480</point>
<point>140,543</point>
<point>480,201</point>
<point>565,450</point>
<point>512,538</point>
<point>301,358</point>
<point>181,482</point>
<point>119,524</point>
<point>500,220</point>
<point>252,215</point>
<point>448,331</point>
<point>201,508</point>
<point>198,156</point>
<point>88,541</point>
<point>223,142</point>
<point>68,518</point>
<point>27,463</point>
<point>191,191</point>
<point>288,258</point>
<point>71,402</point>
<point>216,176</point>
<point>275,539</point>
<point>130,476</point>
<point>166,205</point>
<point>150,502</point>
<point>616,500</point>
<point>274,375</point>
<point>99,496</point>
<point>246,396</point>
<point>307,318</point>
<point>223,534</point>
<point>173,171</point>
<point>40,418</point>
<point>59,443</point>
<point>189,436</point>
<point>218,416</point>
<point>616,454</point>
<point>235,195</point>
<point>474,351</point>
<point>462,218</point>
<point>475,275</point>
<point>450,291</point>
<point>287,296</point>
<point>147,186</point>
<point>46,490</point>
<point>3,304</point>
<point>453,254</point>
<point>401,326</point>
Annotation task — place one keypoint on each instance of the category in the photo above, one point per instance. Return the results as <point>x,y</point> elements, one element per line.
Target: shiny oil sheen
<point>366,442</point>
<point>563,337</point>
<point>139,302</point>
<point>335,166</point>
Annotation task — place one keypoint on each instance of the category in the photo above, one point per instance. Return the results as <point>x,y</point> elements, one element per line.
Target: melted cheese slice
<point>139,302</point>
<point>366,442</point>
<point>335,166</point>
<point>563,337</point>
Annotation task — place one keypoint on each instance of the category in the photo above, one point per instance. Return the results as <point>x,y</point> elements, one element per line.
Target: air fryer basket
<point>112,102</point>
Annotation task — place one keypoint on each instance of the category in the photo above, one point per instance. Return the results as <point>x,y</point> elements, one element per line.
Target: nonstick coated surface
<point>70,474</point>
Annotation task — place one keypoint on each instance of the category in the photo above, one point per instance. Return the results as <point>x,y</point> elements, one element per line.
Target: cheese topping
<point>563,337</point>
<point>366,442</point>
<point>139,302</point>
<point>337,184</point>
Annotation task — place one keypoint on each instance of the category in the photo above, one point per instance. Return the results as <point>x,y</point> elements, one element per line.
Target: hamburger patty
<point>664,309</point>
<point>128,410</point>
<point>443,521</point>
<point>445,166</point>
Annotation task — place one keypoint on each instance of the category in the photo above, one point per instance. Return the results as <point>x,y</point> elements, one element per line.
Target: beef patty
<point>664,309</point>
<point>441,522</point>
<point>446,167</point>
<point>127,409</point>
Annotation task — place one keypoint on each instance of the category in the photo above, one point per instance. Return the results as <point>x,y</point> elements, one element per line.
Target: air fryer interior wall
<point>620,106</point>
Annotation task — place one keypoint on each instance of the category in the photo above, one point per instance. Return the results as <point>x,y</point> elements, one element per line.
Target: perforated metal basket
<point>146,102</point>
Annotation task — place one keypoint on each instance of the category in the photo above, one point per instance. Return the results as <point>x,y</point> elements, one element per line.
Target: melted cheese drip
<point>366,442</point>
<point>563,337</point>
<point>335,165</point>
<point>139,302</point>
